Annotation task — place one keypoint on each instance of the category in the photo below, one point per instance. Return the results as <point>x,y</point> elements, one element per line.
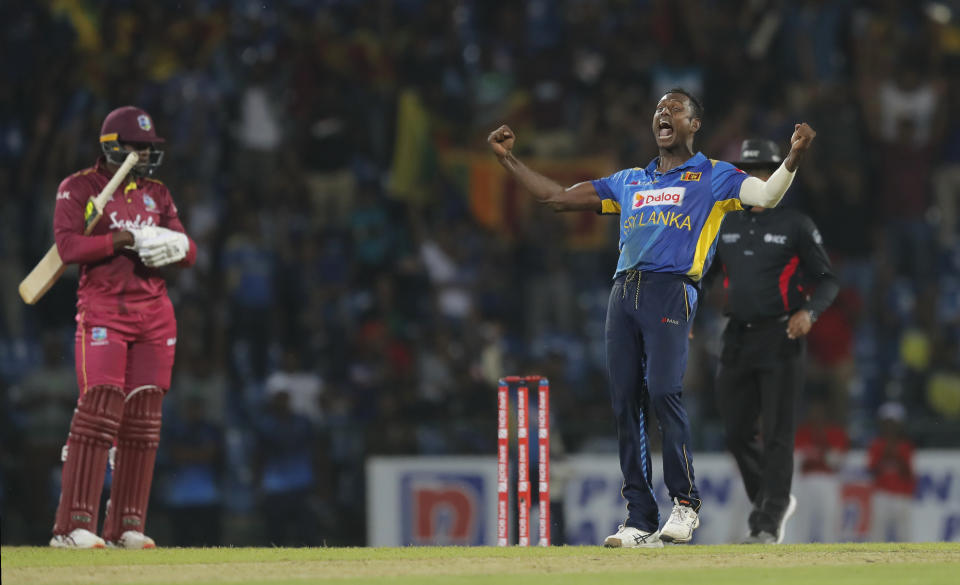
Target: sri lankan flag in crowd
<point>494,198</point>
<point>414,154</point>
<point>500,203</point>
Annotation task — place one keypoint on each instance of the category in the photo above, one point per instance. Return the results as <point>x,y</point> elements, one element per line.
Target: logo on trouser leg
<point>670,321</point>
<point>131,521</point>
<point>98,336</point>
<point>85,519</point>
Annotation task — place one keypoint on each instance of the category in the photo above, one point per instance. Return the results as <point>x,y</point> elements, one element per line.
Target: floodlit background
<point>366,272</point>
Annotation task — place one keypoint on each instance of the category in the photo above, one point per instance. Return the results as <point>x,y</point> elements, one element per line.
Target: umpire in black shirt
<point>768,259</point>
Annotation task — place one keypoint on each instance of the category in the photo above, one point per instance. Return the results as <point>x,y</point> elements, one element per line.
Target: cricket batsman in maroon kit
<point>126,334</point>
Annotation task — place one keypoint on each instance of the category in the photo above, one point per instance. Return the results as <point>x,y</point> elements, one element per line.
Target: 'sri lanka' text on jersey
<point>669,221</point>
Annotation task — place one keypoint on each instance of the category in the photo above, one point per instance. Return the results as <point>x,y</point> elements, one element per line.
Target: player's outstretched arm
<point>803,135</point>
<point>768,193</point>
<point>579,197</point>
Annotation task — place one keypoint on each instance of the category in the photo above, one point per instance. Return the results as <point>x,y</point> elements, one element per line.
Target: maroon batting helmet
<point>130,125</point>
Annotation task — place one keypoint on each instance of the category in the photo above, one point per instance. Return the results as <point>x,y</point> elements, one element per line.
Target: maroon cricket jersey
<point>113,280</point>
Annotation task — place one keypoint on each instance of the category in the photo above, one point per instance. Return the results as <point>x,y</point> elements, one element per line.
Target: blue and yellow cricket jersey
<point>669,221</point>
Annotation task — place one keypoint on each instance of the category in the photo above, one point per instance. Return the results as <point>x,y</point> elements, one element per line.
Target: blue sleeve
<point>610,190</point>
<point>726,180</point>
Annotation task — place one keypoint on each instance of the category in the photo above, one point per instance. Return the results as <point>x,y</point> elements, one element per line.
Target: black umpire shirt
<point>768,260</point>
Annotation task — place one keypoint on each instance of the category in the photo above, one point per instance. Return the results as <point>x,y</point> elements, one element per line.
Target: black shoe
<point>760,537</point>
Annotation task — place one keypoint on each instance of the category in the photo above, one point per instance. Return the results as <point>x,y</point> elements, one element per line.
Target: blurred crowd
<point>350,299</point>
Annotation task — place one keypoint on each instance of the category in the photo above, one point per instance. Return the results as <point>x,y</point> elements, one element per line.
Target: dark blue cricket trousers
<point>648,323</point>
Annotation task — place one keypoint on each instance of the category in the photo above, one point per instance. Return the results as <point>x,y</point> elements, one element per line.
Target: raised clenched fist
<point>501,140</point>
<point>803,135</point>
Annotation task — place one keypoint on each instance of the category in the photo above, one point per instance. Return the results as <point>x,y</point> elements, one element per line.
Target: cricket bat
<point>51,266</point>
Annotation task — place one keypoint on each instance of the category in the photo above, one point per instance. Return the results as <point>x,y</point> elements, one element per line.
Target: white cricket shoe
<point>79,538</point>
<point>630,537</point>
<point>683,520</point>
<point>133,540</point>
<point>791,508</point>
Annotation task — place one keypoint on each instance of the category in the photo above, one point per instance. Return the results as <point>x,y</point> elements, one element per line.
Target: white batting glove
<point>167,247</point>
<point>162,256</point>
<point>159,257</point>
<point>141,235</point>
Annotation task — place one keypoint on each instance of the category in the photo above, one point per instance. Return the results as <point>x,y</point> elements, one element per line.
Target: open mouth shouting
<point>664,129</point>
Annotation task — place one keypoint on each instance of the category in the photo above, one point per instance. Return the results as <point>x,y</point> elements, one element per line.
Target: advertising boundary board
<point>452,500</point>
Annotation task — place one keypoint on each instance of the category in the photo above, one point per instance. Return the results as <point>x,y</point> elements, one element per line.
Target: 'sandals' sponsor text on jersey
<point>109,280</point>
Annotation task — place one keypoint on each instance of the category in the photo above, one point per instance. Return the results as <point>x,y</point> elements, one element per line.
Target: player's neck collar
<point>693,161</point>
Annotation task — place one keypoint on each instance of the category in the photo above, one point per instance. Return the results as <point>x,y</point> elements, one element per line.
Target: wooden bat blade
<point>51,266</point>
<point>100,201</point>
<point>42,277</point>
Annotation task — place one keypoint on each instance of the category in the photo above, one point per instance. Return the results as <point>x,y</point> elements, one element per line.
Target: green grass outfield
<point>831,564</point>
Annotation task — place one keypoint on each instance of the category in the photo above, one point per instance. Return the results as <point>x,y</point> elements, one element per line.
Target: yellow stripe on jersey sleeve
<point>708,234</point>
<point>609,206</point>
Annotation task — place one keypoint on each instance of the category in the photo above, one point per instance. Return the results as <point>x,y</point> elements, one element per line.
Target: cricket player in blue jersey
<point>670,212</point>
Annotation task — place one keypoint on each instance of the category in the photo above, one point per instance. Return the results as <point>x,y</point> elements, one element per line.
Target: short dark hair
<point>694,102</point>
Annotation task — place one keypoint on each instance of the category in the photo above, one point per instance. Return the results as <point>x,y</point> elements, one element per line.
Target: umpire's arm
<point>816,265</point>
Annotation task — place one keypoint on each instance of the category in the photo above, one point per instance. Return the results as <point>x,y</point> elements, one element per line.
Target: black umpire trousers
<point>758,388</point>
